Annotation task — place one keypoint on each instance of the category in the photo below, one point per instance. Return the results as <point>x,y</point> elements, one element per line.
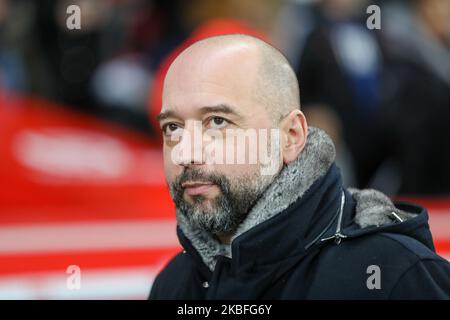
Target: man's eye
<point>218,122</point>
<point>170,128</point>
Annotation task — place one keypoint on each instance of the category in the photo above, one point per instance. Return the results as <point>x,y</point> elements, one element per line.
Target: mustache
<point>195,174</point>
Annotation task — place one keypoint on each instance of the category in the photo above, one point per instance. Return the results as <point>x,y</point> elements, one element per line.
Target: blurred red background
<point>81,171</point>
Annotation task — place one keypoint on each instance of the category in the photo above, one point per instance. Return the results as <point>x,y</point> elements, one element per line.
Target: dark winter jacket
<point>307,237</point>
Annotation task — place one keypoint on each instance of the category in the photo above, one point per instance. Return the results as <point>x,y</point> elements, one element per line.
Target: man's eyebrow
<point>164,115</point>
<point>220,108</point>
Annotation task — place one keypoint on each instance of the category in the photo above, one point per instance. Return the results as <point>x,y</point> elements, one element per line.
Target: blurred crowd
<point>383,95</point>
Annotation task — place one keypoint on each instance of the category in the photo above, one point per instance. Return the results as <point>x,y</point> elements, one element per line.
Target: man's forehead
<point>208,97</point>
<point>212,85</point>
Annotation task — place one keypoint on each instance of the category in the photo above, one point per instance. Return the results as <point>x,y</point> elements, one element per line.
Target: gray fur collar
<point>373,208</point>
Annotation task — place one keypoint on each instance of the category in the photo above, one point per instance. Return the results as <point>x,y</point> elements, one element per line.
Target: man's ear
<point>294,130</point>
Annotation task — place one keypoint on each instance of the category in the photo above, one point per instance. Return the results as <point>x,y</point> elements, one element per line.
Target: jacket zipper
<point>338,236</point>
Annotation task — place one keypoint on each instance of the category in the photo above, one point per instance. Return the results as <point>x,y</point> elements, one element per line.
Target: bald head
<point>248,66</point>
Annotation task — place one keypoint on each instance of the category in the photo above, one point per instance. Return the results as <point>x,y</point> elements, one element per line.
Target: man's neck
<point>224,238</point>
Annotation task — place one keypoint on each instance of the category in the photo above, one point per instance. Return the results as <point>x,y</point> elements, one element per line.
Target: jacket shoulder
<point>392,258</point>
<point>170,276</point>
<point>381,247</point>
<point>413,246</point>
<point>426,279</point>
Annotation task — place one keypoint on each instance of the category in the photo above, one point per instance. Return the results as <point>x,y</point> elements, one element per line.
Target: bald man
<point>261,209</point>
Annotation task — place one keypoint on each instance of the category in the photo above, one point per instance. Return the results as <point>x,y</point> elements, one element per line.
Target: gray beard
<point>222,215</point>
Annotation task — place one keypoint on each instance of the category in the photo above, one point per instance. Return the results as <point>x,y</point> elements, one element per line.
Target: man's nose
<point>191,144</point>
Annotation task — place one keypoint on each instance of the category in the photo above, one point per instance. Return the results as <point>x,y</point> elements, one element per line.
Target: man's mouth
<point>194,188</point>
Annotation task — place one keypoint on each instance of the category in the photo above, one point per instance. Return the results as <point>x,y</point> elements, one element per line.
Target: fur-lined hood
<point>372,207</point>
